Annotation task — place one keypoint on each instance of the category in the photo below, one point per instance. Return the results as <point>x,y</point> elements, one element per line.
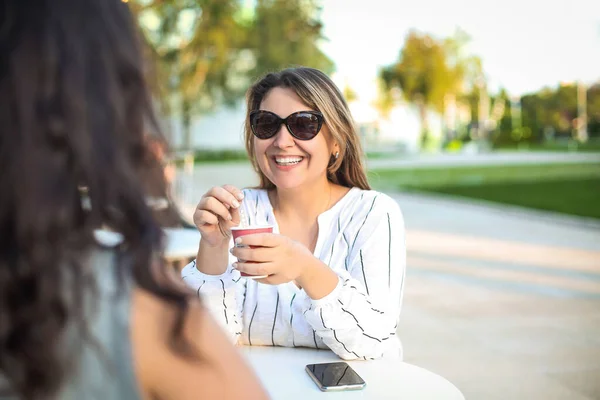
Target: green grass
<point>203,156</point>
<point>593,145</point>
<point>566,188</point>
<point>576,196</point>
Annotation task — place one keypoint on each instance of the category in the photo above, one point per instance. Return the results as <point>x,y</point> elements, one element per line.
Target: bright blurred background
<point>481,118</point>
<point>465,77</point>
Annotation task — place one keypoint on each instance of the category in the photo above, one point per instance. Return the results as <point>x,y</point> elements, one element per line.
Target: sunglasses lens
<point>305,126</point>
<point>264,124</point>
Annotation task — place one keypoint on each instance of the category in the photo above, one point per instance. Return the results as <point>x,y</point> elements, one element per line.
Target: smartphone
<point>335,376</point>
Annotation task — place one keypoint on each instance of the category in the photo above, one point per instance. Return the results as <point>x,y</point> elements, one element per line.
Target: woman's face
<point>286,161</point>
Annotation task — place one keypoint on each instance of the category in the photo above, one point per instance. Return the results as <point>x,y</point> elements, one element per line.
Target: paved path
<point>503,302</point>
<point>505,306</point>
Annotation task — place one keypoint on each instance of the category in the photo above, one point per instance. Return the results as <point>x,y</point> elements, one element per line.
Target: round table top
<point>281,371</point>
<point>181,243</point>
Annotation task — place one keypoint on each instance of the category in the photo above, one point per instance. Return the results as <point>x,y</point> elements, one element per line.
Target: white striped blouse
<point>362,239</point>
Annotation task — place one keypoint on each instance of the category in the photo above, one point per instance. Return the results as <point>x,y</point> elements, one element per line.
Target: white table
<point>282,373</point>
<point>181,243</point>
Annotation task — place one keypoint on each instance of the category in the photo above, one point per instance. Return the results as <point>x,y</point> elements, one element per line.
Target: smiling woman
<point>332,271</point>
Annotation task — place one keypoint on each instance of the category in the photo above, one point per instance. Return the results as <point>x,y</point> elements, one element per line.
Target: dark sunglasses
<point>303,125</point>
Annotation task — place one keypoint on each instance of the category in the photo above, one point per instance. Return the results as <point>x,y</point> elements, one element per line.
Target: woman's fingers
<point>257,254</point>
<point>203,217</point>
<point>227,194</point>
<point>237,193</point>
<point>214,206</point>
<point>260,239</point>
<point>251,268</point>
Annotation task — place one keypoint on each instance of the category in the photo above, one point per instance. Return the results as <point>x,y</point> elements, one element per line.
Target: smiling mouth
<point>285,161</point>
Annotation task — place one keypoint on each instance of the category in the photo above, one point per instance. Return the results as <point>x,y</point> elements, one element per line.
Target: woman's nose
<point>283,138</point>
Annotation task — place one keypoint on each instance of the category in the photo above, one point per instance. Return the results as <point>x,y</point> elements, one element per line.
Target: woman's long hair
<point>318,92</point>
<point>74,107</point>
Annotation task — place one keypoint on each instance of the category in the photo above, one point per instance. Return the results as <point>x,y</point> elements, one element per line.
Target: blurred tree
<point>550,110</point>
<point>349,94</point>
<point>551,113</point>
<point>384,102</point>
<point>503,118</point>
<point>285,33</point>
<point>208,50</point>
<point>198,45</point>
<point>428,69</point>
<point>593,110</point>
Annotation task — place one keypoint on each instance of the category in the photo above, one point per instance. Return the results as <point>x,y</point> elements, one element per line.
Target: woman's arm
<point>223,295</point>
<point>360,315</point>
<point>219,372</point>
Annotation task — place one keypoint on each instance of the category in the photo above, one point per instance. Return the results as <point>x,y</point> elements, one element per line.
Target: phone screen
<point>337,374</point>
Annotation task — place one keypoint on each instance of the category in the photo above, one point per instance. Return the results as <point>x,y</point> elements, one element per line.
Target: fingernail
<point>235,204</point>
<point>240,196</point>
<point>238,241</point>
<point>229,217</point>
<point>234,265</point>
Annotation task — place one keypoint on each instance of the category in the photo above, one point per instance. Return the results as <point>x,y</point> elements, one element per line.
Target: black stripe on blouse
<point>198,291</point>
<point>363,224</point>
<point>362,265</point>
<point>334,240</point>
<point>224,305</point>
<point>274,320</point>
<point>292,319</point>
<point>345,348</point>
<point>389,251</point>
<point>322,321</point>
<point>250,325</point>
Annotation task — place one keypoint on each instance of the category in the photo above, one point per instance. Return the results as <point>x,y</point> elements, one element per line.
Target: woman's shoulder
<point>375,201</point>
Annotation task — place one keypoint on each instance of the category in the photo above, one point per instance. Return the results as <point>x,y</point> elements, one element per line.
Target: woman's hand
<point>217,212</point>
<point>277,256</point>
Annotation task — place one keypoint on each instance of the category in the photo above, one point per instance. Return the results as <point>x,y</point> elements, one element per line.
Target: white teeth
<point>287,160</point>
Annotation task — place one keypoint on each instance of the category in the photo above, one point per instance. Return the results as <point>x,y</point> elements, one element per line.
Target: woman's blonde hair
<point>318,92</point>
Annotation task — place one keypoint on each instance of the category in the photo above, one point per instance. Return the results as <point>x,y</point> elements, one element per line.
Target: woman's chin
<point>287,183</point>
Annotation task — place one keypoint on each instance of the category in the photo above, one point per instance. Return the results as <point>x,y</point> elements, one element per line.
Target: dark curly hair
<point>74,107</point>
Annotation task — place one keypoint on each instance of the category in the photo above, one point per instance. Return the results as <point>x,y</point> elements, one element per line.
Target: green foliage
<point>197,43</point>
<point>207,52</point>
<point>550,114</point>
<point>429,69</point>
<point>349,94</point>
<point>286,33</point>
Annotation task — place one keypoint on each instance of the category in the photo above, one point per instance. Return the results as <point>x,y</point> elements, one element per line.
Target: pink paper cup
<point>237,232</point>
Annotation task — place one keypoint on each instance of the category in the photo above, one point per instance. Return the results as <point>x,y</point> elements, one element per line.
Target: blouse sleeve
<point>361,315</point>
<point>223,295</point>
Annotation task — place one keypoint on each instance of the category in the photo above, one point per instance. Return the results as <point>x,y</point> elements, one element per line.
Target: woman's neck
<point>304,203</point>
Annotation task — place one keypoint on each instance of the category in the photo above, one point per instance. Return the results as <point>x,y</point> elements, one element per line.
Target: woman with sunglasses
<point>335,263</point>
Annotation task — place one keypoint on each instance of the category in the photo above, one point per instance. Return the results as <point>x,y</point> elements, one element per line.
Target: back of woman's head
<point>318,92</point>
<point>73,111</point>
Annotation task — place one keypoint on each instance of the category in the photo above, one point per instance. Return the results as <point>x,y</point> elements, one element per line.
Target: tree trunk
<point>186,124</point>
<point>424,124</point>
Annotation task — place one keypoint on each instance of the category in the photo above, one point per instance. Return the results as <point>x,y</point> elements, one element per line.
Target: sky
<point>524,44</point>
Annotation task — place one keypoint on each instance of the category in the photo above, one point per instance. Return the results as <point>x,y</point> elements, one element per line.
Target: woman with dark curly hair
<point>78,319</point>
